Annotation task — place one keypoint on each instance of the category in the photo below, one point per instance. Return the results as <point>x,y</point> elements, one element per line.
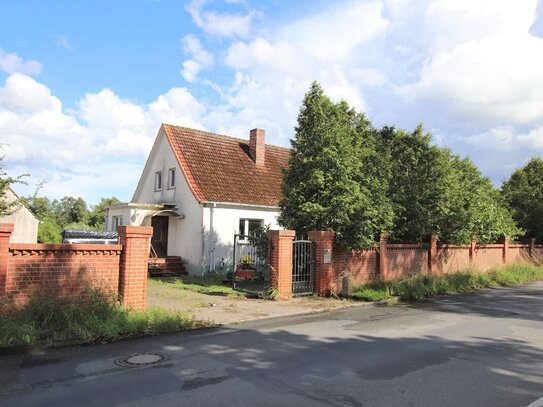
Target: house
<point>198,189</point>
<point>24,222</point>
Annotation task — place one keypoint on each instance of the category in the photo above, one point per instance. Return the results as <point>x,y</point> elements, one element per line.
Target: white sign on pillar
<point>327,257</point>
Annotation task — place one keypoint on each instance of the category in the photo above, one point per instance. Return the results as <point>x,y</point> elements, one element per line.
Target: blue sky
<point>84,85</point>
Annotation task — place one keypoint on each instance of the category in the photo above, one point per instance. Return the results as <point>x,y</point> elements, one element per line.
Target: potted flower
<point>245,268</point>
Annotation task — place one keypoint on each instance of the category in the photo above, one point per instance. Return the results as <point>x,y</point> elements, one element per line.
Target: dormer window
<point>171,178</point>
<point>158,180</point>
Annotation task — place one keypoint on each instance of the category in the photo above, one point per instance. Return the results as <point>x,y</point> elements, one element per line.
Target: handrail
<point>152,252</point>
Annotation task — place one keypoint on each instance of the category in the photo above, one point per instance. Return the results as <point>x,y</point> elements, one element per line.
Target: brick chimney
<point>257,146</point>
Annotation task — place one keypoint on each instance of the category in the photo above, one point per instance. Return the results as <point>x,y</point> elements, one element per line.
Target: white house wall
<point>184,235</point>
<point>25,229</point>
<point>123,211</point>
<point>225,225</point>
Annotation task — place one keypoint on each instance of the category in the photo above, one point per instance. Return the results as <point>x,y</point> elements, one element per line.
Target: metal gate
<point>303,278</point>
<point>250,268</point>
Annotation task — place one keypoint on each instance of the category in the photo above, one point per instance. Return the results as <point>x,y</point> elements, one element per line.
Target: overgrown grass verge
<point>94,319</point>
<point>420,287</point>
<point>209,284</point>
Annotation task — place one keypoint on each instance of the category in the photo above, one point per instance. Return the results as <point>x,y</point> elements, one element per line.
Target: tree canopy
<point>523,191</point>
<point>346,176</point>
<point>324,186</point>
<point>67,213</point>
<point>434,191</point>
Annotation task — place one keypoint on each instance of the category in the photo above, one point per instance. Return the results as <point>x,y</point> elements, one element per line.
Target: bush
<point>48,232</point>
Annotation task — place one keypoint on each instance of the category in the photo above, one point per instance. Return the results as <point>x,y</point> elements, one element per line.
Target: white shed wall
<point>25,224</point>
<point>25,229</point>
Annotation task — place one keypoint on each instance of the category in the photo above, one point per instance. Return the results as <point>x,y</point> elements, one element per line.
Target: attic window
<point>158,180</point>
<point>171,178</point>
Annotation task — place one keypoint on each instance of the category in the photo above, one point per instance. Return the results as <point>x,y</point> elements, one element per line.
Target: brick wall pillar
<point>5,233</point>
<point>323,244</point>
<point>473,253</point>
<point>280,261</point>
<point>383,257</point>
<point>432,255</point>
<point>133,270</point>
<point>505,241</point>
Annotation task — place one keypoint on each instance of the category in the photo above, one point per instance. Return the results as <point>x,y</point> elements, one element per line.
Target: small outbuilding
<point>25,223</point>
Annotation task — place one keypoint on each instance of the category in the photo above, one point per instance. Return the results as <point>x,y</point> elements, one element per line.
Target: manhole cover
<point>142,359</point>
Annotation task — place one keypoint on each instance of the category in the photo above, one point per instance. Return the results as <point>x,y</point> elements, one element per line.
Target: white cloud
<point>201,58</point>
<point>334,34</point>
<point>23,94</point>
<point>193,46</point>
<point>221,24</point>
<point>466,67</point>
<point>101,146</point>
<point>507,139</point>
<point>11,63</point>
<point>177,106</point>
<point>273,72</point>
<point>470,70</point>
<point>492,76</point>
<point>63,42</point>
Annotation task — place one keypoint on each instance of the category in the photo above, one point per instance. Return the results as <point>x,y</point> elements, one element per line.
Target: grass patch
<point>420,287</point>
<point>95,319</point>
<point>373,292</point>
<point>208,284</point>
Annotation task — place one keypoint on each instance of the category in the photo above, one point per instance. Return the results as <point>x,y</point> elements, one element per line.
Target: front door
<point>160,235</point>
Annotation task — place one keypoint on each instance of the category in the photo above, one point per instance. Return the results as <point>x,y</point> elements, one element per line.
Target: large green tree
<point>416,173</point>
<point>69,210</point>
<point>66,213</point>
<point>475,208</point>
<point>523,191</point>
<point>40,207</point>
<point>435,191</point>
<point>325,186</point>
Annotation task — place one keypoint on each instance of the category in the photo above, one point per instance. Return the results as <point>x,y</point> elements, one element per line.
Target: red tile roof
<point>220,168</point>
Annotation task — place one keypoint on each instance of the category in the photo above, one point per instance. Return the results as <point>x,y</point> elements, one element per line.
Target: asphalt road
<point>483,349</point>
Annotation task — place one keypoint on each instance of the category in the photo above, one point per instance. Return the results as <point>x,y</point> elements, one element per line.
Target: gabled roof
<point>220,168</point>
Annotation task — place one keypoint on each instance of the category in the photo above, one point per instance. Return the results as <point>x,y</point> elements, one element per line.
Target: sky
<point>85,85</point>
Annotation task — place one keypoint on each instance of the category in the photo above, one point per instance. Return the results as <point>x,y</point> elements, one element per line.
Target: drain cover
<point>142,359</point>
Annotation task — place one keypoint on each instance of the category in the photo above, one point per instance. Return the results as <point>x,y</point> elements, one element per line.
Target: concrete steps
<point>170,266</point>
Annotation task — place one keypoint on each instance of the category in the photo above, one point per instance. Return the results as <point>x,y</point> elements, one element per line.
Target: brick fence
<point>65,270</point>
<point>387,262</point>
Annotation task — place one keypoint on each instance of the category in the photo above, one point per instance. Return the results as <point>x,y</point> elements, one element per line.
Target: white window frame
<point>158,181</point>
<point>246,227</point>
<point>171,178</point>
<point>116,221</point>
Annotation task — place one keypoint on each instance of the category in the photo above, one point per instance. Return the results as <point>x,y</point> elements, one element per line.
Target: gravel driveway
<point>222,309</point>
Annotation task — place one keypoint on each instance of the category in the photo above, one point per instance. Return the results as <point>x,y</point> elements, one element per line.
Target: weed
<point>208,284</point>
<point>270,293</point>
<point>92,318</point>
<point>415,288</point>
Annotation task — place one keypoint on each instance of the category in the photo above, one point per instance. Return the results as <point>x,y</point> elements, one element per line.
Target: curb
<point>47,344</point>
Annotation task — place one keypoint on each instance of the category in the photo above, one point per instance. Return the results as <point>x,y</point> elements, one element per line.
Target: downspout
<point>106,220</point>
<point>211,238</point>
